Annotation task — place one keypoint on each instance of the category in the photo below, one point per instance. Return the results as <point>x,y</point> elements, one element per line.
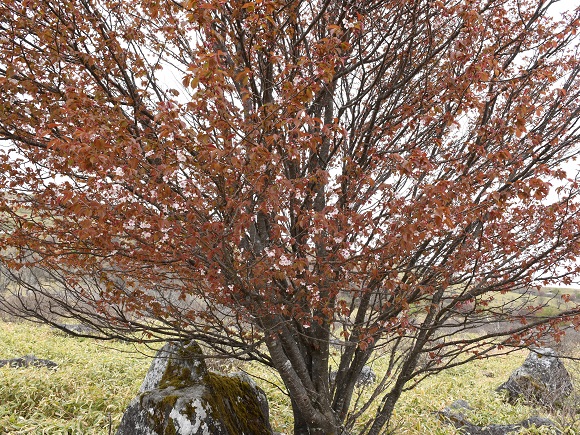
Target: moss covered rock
<point>179,396</point>
<point>541,380</point>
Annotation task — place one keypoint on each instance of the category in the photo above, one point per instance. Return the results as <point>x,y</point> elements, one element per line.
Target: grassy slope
<point>414,414</point>
<point>95,382</point>
<point>92,382</point>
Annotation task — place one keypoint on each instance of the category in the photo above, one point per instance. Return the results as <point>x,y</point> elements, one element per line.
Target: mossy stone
<point>182,396</point>
<point>235,403</point>
<point>185,367</point>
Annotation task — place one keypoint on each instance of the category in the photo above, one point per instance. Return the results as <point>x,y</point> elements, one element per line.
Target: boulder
<point>180,396</point>
<point>454,415</point>
<point>28,361</point>
<point>542,379</point>
<point>365,378</point>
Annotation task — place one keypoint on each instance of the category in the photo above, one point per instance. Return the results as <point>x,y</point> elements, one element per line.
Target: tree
<point>281,178</point>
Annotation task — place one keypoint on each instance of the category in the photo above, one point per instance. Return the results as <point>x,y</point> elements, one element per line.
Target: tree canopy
<point>281,178</point>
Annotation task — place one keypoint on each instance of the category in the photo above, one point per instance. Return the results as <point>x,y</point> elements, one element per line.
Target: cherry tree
<point>304,184</point>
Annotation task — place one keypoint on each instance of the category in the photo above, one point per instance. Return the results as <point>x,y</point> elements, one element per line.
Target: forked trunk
<point>300,423</point>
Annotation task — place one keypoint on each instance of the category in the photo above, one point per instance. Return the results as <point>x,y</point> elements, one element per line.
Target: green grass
<point>415,412</point>
<point>95,382</point>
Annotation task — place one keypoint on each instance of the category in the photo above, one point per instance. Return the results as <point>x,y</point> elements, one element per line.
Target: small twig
<point>265,380</point>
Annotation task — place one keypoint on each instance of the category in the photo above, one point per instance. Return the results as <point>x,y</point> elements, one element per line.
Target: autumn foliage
<point>302,183</point>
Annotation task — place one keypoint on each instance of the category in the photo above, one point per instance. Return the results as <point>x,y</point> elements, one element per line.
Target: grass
<point>95,381</point>
<point>87,393</point>
<point>415,412</point>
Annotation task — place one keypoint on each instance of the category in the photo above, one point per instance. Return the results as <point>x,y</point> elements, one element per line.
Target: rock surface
<point>179,396</point>
<point>542,379</point>
<point>28,361</point>
<point>365,378</point>
<point>454,415</point>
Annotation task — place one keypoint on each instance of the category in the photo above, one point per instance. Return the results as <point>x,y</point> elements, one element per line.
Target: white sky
<point>566,5</point>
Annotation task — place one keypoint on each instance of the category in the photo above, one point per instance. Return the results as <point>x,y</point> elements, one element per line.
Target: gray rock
<point>365,378</point>
<point>260,395</point>
<point>172,358</point>
<point>539,422</point>
<point>28,361</point>
<point>180,396</point>
<point>452,415</point>
<point>542,379</point>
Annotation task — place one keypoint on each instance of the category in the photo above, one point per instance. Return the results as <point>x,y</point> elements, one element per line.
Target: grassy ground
<point>95,382</point>
<point>414,415</point>
<point>88,392</point>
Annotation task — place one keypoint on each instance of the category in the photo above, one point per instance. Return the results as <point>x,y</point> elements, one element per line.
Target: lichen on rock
<point>175,365</point>
<point>542,379</point>
<point>179,396</point>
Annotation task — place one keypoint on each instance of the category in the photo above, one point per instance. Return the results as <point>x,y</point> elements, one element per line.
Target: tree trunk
<point>386,411</point>
<point>312,412</point>
<point>300,423</point>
